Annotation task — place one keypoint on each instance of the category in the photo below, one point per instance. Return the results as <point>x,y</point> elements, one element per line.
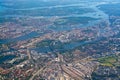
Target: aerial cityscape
<point>59,39</point>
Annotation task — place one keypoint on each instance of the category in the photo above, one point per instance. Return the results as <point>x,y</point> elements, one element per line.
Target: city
<point>60,41</point>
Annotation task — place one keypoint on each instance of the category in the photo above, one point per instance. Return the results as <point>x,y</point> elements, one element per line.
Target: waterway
<point>21,38</point>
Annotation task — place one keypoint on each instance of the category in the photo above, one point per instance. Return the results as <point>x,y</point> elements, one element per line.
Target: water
<point>73,11</point>
<point>27,36</point>
<point>64,47</point>
<point>1,8</point>
<point>7,57</point>
<point>21,38</point>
